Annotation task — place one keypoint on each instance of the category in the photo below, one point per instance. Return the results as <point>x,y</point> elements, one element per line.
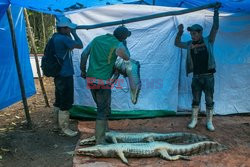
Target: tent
<point>10,89</point>
<point>166,89</point>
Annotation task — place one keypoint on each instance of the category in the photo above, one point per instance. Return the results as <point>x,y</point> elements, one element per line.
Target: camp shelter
<point>166,89</point>
<point>10,88</point>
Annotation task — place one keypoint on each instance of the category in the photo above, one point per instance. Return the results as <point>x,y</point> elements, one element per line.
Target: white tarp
<point>164,82</point>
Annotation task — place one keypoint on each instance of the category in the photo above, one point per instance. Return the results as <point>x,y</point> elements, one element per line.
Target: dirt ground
<point>41,147</point>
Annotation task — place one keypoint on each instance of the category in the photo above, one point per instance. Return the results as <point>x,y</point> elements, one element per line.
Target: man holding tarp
<point>103,51</point>
<point>64,86</point>
<point>200,61</point>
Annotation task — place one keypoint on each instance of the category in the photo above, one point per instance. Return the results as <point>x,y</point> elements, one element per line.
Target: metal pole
<point>153,2</point>
<point>19,72</point>
<point>153,16</point>
<point>33,45</point>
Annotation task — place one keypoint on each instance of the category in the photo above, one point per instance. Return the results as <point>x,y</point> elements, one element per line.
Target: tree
<point>43,26</point>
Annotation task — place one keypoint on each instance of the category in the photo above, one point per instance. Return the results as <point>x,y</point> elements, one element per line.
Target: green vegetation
<point>42,26</point>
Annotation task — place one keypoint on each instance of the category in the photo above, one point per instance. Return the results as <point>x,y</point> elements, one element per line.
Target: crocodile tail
<point>205,147</point>
<point>194,138</point>
<point>214,148</point>
<point>186,138</point>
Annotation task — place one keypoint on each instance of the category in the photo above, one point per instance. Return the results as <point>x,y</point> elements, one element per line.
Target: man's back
<point>63,46</point>
<point>102,56</point>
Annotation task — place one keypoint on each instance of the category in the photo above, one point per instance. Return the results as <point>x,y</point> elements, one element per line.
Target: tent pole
<point>153,16</point>
<point>153,2</point>
<point>33,45</point>
<point>19,72</point>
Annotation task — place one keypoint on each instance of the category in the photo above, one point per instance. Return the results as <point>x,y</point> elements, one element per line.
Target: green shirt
<point>102,57</point>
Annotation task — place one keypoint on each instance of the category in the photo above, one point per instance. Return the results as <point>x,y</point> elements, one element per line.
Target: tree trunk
<point>44,33</point>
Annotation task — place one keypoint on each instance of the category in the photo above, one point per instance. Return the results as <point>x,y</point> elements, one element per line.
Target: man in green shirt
<point>102,52</point>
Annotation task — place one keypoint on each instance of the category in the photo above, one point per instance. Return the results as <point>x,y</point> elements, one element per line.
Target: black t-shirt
<point>199,56</point>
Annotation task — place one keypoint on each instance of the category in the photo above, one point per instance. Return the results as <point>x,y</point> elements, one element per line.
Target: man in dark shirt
<point>200,61</point>
<point>199,55</point>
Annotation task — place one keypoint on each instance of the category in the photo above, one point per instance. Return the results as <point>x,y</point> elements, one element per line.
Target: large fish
<point>130,69</point>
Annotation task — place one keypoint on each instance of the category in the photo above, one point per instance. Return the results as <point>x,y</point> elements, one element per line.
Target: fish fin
<point>123,158</point>
<point>164,154</point>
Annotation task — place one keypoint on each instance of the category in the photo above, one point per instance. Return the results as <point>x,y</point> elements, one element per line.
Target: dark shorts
<point>203,83</point>
<point>64,92</point>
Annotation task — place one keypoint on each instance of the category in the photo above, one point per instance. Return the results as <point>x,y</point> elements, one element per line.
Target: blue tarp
<point>65,6</point>
<point>233,6</point>
<point>3,6</point>
<point>10,89</point>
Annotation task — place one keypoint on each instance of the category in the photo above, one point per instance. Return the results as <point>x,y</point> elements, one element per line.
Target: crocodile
<point>174,137</point>
<point>165,150</point>
<point>130,69</point>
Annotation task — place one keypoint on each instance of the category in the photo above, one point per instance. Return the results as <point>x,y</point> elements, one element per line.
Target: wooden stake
<point>19,71</point>
<point>33,45</point>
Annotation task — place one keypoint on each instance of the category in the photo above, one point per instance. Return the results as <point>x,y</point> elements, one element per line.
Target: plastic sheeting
<point>233,6</point>
<point>3,6</point>
<point>66,6</point>
<point>164,83</point>
<point>10,89</point>
<point>63,6</point>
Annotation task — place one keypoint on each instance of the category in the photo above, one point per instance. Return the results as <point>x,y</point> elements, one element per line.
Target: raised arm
<point>178,42</point>
<point>215,26</point>
<point>78,43</point>
<point>122,52</point>
<point>84,58</point>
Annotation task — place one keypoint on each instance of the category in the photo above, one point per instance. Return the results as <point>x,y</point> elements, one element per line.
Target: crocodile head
<point>91,151</point>
<point>88,141</point>
<point>133,73</point>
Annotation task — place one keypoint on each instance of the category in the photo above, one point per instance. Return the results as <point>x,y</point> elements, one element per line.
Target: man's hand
<point>180,27</point>
<point>217,6</point>
<point>73,31</point>
<point>124,43</point>
<point>216,9</point>
<point>83,70</point>
<point>83,74</point>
